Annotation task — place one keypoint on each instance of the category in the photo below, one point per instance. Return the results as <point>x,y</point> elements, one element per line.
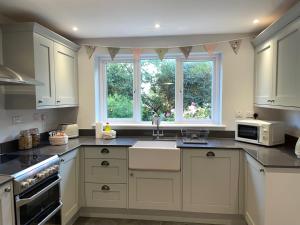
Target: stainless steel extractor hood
<point>10,77</point>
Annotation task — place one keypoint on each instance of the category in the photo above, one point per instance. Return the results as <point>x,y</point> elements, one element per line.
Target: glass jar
<point>36,139</point>
<point>25,140</point>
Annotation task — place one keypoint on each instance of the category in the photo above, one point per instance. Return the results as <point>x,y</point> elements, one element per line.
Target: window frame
<point>101,89</point>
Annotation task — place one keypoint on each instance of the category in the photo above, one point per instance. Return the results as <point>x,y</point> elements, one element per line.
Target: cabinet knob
<point>261,170</point>
<point>104,163</point>
<point>40,101</point>
<point>104,151</point>
<point>58,101</point>
<point>62,160</point>
<point>105,188</point>
<point>8,189</point>
<point>131,174</point>
<point>210,154</point>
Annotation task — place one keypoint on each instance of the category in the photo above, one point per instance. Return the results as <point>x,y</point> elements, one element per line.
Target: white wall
<point>237,73</point>
<point>290,117</point>
<point>30,118</point>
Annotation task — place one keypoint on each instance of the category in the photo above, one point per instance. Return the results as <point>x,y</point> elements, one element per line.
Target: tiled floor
<point>102,221</point>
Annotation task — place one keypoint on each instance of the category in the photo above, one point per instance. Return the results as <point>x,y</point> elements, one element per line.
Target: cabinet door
<point>254,192</point>
<point>154,190</point>
<point>106,195</point>
<point>210,181</point>
<point>287,91</point>
<point>6,205</point>
<point>44,71</point>
<point>264,73</point>
<point>69,170</point>
<point>106,170</point>
<point>65,75</point>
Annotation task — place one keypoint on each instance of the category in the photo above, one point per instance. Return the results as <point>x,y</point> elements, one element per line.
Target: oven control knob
<point>24,184</point>
<point>31,181</point>
<point>52,169</point>
<point>56,167</point>
<point>40,175</point>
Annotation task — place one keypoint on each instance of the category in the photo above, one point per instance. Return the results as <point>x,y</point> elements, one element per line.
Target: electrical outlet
<point>238,115</point>
<point>249,114</point>
<point>17,120</point>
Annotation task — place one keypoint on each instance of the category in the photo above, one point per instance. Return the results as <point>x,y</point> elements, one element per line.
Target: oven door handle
<point>51,214</point>
<point>23,201</point>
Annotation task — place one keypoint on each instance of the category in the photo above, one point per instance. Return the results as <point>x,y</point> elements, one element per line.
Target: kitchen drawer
<point>105,152</point>
<point>106,170</point>
<point>106,195</point>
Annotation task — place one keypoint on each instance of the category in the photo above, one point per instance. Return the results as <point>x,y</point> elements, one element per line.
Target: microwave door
<point>248,133</point>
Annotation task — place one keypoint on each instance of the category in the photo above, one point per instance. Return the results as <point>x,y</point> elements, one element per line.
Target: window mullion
<point>179,91</point>
<point>137,91</point>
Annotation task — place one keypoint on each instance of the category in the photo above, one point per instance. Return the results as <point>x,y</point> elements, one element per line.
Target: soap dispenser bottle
<point>297,148</point>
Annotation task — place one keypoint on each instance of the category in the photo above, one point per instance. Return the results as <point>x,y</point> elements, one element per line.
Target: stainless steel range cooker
<point>36,187</point>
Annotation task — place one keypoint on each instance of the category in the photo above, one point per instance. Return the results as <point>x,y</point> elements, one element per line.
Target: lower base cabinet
<point>106,195</point>
<point>210,180</point>
<point>7,215</point>
<point>69,171</point>
<point>154,190</point>
<point>254,192</point>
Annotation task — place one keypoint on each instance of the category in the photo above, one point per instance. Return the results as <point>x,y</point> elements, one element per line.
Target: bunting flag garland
<point>210,48</point>
<point>90,50</point>
<point>137,53</point>
<point>161,52</point>
<point>113,52</point>
<point>186,51</point>
<point>235,45</point>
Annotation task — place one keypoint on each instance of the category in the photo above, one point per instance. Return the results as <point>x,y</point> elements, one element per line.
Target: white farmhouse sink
<point>154,155</point>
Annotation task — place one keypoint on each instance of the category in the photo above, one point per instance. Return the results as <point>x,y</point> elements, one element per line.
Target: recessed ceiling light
<point>256,21</point>
<point>157,25</point>
<point>75,29</point>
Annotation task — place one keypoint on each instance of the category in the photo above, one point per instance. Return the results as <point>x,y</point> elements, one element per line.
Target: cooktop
<point>12,163</point>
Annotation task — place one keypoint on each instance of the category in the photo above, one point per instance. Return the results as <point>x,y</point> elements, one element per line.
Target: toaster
<point>70,129</point>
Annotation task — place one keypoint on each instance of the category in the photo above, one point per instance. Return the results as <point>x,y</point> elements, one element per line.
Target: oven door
<point>248,133</point>
<point>41,204</point>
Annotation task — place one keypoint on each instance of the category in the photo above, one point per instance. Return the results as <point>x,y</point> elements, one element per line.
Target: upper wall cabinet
<point>44,55</point>
<point>277,69</point>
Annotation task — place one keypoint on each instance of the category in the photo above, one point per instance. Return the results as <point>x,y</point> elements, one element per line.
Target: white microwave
<point>260,132</point>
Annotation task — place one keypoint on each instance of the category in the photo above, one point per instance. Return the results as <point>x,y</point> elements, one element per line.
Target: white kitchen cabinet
<point>44,70</point>
<point>210,180</point>
<point>154,190</point>
<point>106,170</point>
<point>65,75</point>
<point>45,56</point>
<point>277,69</point>
<point>287,61</point>
<point>7,215</point>
<point>271,194</point>
<point>254,192</point>
<point>106,195</point>
<point>264,73</point>
<point>69,171</point>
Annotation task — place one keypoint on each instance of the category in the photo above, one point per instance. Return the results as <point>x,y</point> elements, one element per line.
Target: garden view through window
<point>176,89</point>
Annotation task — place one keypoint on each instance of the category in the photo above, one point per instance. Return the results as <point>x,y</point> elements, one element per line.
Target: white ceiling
<point>120,18</point>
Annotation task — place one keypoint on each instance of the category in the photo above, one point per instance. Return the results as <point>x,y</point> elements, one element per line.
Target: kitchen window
<point>179,90</point>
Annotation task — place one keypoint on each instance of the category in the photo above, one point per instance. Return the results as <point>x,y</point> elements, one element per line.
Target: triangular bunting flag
<point>113,52</point>
<point>161,52</point>
<point>186,51</point>
<point>90,50</point>
<point>210,48</point>
<point>235,45</point>
<point>137,53</point>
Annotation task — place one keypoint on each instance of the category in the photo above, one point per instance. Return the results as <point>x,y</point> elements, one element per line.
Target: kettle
<point>297,148</point>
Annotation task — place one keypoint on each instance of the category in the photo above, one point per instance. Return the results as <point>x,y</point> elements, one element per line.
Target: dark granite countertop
<point>277,157</point>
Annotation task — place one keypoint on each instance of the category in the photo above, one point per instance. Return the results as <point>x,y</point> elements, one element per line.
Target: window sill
<point>165,126</point>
